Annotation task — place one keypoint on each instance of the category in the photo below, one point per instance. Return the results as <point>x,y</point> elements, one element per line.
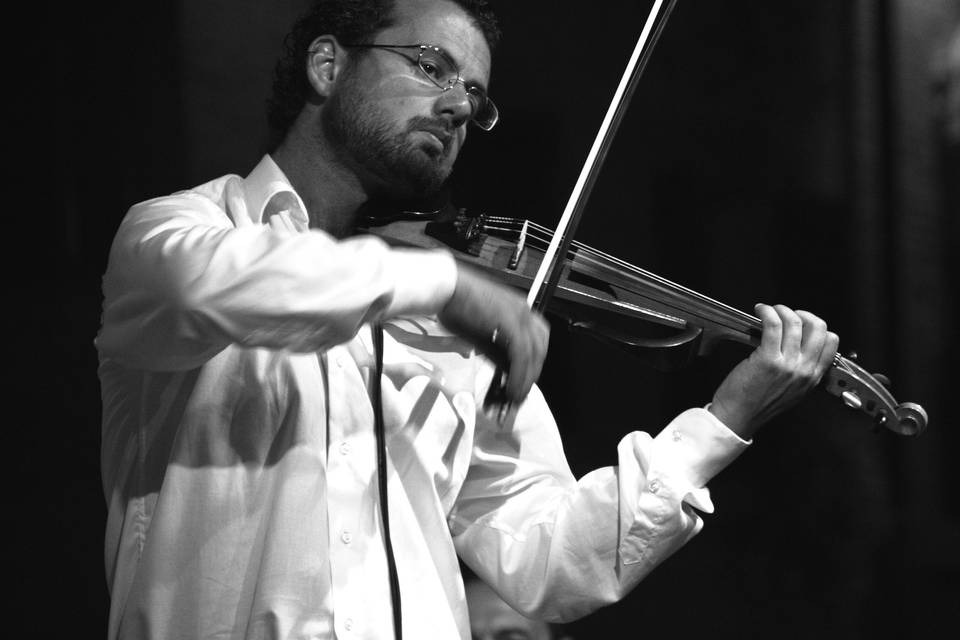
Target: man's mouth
<point>440,136</point>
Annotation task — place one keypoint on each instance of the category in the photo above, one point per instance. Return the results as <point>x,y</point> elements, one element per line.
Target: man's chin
<point>421,177</point>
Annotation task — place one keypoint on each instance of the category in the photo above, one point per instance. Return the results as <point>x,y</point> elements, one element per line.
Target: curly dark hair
<point>348,21</point>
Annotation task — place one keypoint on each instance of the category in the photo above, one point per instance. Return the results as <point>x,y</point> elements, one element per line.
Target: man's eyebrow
<point>472,83</point>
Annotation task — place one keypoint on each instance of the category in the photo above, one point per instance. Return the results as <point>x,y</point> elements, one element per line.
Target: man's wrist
<point>732,419</point>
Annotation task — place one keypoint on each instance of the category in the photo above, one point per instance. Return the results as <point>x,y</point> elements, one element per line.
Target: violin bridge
<point>518,250</point>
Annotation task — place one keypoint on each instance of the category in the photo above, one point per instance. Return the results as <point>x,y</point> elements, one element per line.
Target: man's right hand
<point>497,320</point>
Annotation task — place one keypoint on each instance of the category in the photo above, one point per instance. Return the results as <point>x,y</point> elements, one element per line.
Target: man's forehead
<point>446,25</point>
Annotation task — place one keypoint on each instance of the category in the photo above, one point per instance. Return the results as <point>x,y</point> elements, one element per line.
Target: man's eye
<point>431,68</point>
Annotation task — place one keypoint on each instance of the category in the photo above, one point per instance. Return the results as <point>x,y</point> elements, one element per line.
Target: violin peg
<point>852,356</point>
<point>882,379</point>
<point>851,399</point>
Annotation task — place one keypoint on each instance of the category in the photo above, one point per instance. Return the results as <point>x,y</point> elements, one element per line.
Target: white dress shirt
<point>238,452</point>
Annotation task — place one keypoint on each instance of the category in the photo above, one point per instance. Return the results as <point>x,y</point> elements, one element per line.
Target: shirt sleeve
<point>556,548</point>
<point>185,278</point>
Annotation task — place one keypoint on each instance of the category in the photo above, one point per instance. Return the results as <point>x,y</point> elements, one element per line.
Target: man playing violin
<point>239,350</point>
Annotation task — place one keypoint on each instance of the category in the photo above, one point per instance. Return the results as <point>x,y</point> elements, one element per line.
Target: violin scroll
<point>865,392</point>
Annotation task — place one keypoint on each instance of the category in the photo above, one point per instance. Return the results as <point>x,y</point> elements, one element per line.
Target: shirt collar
<point>263,183</point>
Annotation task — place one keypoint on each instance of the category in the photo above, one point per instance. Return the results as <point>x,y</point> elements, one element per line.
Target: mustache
<point>437,126</point>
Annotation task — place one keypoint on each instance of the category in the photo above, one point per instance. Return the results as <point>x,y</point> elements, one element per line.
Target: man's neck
<point>331,192</point>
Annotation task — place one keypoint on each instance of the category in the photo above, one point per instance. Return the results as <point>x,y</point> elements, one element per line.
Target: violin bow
<point>545,282</point>
<point>551,269</point>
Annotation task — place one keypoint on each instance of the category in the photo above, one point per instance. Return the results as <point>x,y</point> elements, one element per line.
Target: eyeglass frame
<point>471,90</point>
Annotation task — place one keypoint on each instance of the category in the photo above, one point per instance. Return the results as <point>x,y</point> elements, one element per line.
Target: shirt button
<point>347,537</point>
<point>348,624</point>
<point>345,448</point>
<point>677,435</point>
<point>654,486</point>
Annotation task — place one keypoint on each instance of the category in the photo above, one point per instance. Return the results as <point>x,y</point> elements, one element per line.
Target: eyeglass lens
<point>443,72</point>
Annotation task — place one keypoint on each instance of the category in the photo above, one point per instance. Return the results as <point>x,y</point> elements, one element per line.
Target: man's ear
<point>325,61</point>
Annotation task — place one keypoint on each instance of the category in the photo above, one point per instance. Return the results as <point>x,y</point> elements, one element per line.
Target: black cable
<point>378,429</point>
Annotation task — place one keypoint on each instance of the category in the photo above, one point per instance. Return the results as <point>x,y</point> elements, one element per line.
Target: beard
<point>364,137</point>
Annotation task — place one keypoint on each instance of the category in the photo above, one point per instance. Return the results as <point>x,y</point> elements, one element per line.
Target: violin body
<point>658,321</point>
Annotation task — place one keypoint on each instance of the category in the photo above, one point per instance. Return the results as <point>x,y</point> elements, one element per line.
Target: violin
<point>593,292</point>
<point>662,323</point>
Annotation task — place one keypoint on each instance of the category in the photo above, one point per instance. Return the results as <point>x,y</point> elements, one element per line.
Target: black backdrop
<point>774,152</point>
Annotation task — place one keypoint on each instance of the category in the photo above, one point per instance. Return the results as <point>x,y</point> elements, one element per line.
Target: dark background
<point>792,152</point>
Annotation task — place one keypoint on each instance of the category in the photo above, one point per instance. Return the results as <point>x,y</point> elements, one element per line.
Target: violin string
<point>599,258</point>
<point>580,246</point>
<point>592,256</point>
<point>493,228</point>
<point>838,359</point>
<point>587,252</point>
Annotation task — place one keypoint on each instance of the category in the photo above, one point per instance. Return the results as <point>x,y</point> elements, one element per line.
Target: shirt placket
<point>350,466</point>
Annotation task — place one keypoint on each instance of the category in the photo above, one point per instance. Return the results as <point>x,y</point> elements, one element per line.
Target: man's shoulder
<point>207,198</point>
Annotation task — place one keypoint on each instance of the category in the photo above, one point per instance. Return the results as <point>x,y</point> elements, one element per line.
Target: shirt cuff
<point>697,446</point>
<point>424,280</point>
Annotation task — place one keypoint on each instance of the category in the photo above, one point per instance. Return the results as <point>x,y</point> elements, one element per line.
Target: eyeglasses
<point>437,65</point>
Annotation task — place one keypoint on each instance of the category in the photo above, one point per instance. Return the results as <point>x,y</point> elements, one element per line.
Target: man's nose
<point>455,104</point>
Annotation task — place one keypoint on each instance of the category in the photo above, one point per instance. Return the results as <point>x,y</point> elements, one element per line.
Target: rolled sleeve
<point>662,480</point>
<point>186,278</point>
<point>694,448</point>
